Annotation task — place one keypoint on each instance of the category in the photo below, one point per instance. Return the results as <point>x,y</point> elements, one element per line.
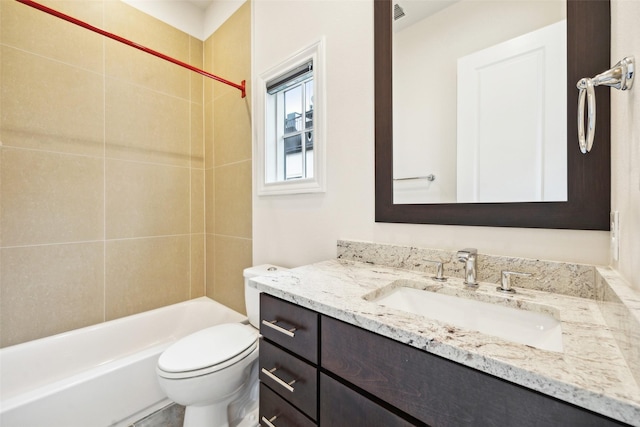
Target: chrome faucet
<point>469,256</point>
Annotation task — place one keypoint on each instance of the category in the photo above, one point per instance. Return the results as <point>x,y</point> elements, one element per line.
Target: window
<point>289,142</point>
<point>292,96</point>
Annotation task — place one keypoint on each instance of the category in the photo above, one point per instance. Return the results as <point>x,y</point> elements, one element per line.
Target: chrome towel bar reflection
<point>620,76</point>
<point>430,177</point>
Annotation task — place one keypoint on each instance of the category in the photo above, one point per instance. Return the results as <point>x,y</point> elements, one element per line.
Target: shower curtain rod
<point>241,86</point>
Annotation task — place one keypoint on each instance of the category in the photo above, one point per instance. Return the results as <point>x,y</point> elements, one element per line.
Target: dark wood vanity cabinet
<point>288,364</point>
<point>342,406</point>
<point>364,379</point>
<point>280,412</point>
<point>288,316</point>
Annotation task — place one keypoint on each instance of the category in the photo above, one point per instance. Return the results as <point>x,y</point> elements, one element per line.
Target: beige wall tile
<point>197,87</point>
<point>197,135</point>
<point>209,142</point>
<point>143,274</point>
<point>197,265</point>
<point>233,200</point>
<point>210,201</point>
<point>232,129</point>
<point>232,51</point>
<point>197,201</point>
<point>131,65</point>
<point>158,120</point>
<point>1,202</point>
<point>196,58</point>
<point>210,264</point>
<point>146,200</point>
<point>233,255</point>
<point>35,31</point>
<point>228,147</point>
<point>208,66</point>
<point>49,105</point>
<point>50,289</point>
<point>196,53</point>
<point>152,115</point>
<point>130,23</point>
<point>147,126</point>
<point>50,197</point>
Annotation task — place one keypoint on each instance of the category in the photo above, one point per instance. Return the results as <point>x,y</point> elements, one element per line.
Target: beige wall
<point>103,168</point>
<point>228,161</point>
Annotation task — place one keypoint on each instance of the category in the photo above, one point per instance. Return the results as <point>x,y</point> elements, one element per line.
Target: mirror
<point>587,193</point>
<point>490,82</point>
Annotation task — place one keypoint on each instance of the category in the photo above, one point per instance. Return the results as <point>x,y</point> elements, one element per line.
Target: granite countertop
<point>590,372</point>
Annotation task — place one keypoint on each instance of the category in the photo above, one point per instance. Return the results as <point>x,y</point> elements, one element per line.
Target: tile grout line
<point>79,242</point>
<point>88,70</point>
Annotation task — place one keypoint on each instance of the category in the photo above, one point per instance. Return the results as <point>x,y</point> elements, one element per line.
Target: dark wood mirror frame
<point>589,176</point>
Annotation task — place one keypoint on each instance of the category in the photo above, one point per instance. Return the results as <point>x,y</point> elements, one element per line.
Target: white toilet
<point>214,372</point>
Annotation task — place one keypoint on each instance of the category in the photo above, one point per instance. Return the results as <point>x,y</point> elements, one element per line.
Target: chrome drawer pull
<point>268,421</point>
<point>273,325</point>
<point>270,374</point>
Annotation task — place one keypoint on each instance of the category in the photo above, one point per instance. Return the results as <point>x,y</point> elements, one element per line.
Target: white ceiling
<point>199,18</point>
<point>417,10</point>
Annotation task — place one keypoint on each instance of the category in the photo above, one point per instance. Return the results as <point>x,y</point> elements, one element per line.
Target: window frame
<point>265,123</point>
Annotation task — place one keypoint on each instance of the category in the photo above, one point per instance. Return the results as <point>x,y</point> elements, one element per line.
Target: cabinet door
<point>292,378</point>
<point>341,406</point>
<point>435,390</point>
<point>278,318</point>
<point>279,412</point>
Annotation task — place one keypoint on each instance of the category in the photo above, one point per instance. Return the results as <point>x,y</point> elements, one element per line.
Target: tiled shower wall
<point>102,170</point>
<point>228,160</point>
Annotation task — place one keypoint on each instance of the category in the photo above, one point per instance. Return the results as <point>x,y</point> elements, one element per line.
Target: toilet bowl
<point>213,372</point>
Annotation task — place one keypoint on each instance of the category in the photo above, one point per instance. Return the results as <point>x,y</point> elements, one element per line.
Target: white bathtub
<point>101,375</point>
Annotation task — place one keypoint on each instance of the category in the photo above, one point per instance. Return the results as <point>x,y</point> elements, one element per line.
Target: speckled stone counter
<point>591,372</point>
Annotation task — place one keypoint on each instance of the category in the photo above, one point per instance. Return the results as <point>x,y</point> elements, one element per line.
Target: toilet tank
<point>252,295</point>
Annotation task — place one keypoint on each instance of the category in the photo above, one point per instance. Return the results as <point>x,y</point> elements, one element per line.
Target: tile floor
<point>170,416</point>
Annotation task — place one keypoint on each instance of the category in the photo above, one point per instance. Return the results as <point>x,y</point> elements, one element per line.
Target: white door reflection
<point>511,123</point>
<point>425,104</point>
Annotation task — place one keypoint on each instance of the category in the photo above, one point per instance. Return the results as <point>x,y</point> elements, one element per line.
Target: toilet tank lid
<point>207,347</point>
<point>261,270</point>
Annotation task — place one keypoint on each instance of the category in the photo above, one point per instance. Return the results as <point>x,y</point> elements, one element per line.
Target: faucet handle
<point>439,271</point>
<point>466,252</point>
<point>505,281</point>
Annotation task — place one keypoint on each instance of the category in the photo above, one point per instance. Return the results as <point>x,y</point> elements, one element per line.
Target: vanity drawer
<point>435,390</point>
<point>290,326</point>
<point>272,405</point>
<point>295,380</point>
<point>341,406</point>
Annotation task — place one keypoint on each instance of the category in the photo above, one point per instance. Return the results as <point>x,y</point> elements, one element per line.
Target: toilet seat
<point>208,351</point>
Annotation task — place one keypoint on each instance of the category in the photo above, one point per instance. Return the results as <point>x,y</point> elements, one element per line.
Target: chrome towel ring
<point>586,88</point>
<point>620,76</point>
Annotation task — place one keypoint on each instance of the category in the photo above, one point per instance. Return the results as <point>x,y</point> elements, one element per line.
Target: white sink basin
<point>535,329</point>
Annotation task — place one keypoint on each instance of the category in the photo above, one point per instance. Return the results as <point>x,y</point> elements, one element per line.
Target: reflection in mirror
<point>485,122</point>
